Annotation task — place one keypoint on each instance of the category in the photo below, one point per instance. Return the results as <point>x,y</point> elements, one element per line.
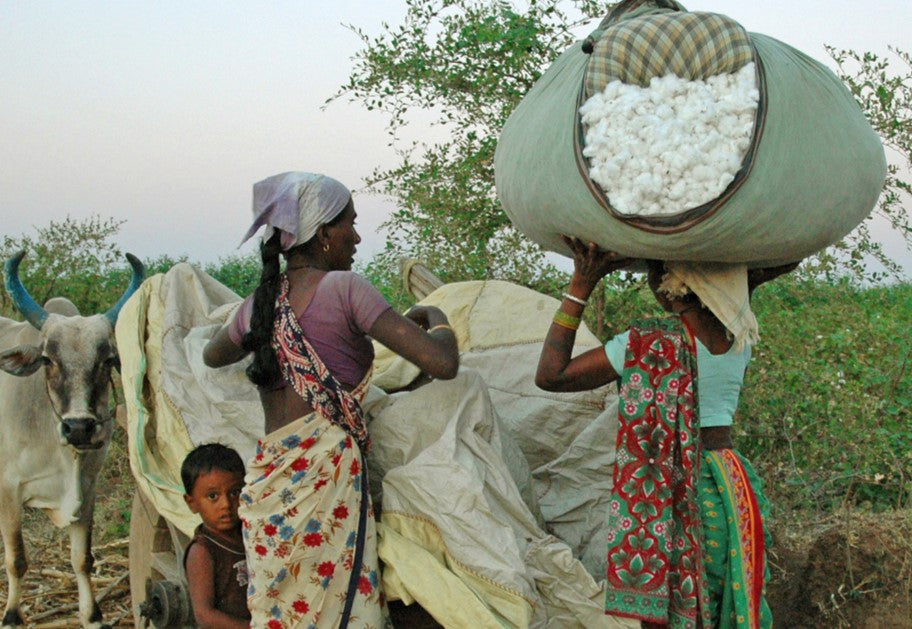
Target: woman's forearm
<point>557,369</point>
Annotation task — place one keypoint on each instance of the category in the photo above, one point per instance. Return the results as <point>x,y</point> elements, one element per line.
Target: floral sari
<point>686,545</point>
<point>308,521</point>
<point>655,565</point>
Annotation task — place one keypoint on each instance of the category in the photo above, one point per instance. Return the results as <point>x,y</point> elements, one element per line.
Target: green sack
<point>814,171</point>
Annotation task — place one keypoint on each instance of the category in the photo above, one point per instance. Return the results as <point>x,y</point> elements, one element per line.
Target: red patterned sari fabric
<point>655,564</point>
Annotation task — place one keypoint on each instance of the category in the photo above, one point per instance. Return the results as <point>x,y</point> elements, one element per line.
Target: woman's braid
<point>264,370</point>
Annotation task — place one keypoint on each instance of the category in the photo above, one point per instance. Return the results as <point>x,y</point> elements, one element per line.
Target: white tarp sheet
<point>492,492</point>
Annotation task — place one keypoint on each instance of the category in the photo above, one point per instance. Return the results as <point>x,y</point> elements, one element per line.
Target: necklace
<point>222,546</point>
<point>686,310</point>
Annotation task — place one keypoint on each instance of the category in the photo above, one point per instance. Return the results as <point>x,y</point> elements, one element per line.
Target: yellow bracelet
<point>564,320</point>
<point>442,326</point>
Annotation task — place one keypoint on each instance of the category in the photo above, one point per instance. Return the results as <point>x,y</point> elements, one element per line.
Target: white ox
<point>55,426</point>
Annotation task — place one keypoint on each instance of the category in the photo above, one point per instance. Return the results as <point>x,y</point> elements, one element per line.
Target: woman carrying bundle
<point>686,541</point>
<point>309,528</point>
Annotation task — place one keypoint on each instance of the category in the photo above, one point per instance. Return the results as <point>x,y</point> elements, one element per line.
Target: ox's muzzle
<point>83,433</point>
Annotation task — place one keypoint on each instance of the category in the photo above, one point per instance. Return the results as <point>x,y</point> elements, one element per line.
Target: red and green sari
<point>732,511</point>
<point>657,548</point>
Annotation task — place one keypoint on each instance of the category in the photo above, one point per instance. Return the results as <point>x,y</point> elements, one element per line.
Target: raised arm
<point>221,350</point>
<point>755,277</point>
<point>557,371</point>
<point>423,336</point>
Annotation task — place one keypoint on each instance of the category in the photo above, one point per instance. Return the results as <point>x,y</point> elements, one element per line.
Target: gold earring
<point>326,247</point>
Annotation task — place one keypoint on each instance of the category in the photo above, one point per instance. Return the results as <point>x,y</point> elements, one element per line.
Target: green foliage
<point>618,300</point>
<point>239,273</point>
<point>885,96</point>
<point>71,258</point>
<point>826,414</point>
<point>468,63</point>
<point>388,280</point>
<point>161,264</point>
<point>113,504</point>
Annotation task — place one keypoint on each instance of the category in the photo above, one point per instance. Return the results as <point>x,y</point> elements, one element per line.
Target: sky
<point>163,114</point>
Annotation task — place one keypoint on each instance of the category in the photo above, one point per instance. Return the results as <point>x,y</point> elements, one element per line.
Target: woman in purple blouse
<point>308,521</point>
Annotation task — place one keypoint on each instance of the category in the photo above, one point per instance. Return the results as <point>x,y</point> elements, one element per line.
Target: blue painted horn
<point>138,273</point>
<point>30,309</point>
<point>37,315</point>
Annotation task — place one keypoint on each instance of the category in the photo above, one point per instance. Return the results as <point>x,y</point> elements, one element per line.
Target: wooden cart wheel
<point>156,553</point>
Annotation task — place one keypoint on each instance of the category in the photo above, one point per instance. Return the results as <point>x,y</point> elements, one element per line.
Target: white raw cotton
<point>672,146</point>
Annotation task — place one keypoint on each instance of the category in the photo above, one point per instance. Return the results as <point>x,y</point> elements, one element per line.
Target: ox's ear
<point>23,360</point>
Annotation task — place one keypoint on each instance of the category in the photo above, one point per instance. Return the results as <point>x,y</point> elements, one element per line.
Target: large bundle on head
<point>677,135</point>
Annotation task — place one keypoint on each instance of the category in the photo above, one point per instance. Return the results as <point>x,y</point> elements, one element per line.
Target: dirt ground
<point>49,598</point>
<point>854,570</point>
<point>851,570</point>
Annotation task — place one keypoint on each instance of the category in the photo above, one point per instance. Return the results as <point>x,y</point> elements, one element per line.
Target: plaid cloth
<point>643,39</point>
<point>634,8</point>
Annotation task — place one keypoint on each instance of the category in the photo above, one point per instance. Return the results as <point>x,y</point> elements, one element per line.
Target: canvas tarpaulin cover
<point>493,492</point>
<point>814,170</point>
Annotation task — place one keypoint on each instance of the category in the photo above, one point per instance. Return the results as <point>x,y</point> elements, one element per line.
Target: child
<point>213,476</point>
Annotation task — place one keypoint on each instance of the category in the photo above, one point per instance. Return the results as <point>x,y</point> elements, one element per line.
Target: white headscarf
<point>723,289</point>
<point>296,203</point>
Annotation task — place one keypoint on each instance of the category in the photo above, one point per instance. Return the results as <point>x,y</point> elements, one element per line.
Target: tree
<point>71,258</point>
<point>469,62</point>
<point>885,96</point>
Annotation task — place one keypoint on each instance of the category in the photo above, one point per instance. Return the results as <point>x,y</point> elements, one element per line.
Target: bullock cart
<point>491,493</point>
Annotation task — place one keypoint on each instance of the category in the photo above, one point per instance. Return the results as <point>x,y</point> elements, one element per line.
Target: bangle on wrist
<point>575,299</point>
<point>441,326</point>
<point>564,320</point>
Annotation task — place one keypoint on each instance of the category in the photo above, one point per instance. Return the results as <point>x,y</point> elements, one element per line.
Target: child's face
<point>215,499</point>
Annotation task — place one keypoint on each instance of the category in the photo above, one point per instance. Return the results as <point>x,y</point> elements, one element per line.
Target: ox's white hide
<point>37,469</point>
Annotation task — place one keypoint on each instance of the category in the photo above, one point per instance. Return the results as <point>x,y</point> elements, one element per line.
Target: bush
<point>239,273</point>
<point>826,413</point>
